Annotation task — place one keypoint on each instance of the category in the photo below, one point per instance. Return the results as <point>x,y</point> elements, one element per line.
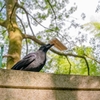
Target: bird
<point>33,61</point>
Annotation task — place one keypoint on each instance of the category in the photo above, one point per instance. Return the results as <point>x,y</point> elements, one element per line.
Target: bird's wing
<point>24,62</point>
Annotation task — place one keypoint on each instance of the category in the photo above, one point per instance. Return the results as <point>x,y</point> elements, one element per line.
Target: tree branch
<point>2,23</point>
<point>12,15</point>
<point>51,8</point>
<point>24,32</point>
<point>92,58</point>
<point>69,65</point>
<point>13,11</point>
<point>2,7</point>
<point>57,52</point>
<point>54,15</point>
<point>21,23</point>
<point>8,55</point>
<point>33,17</point>
<point>25,36</point>
<point>27,17</point>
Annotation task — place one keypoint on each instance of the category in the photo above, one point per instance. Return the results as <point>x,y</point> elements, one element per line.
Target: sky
<point>83,6</point>
<point>88,7</point>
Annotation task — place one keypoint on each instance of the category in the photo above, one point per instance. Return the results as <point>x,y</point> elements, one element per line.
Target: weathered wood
<point>22,85</point>
<point>58,44</point>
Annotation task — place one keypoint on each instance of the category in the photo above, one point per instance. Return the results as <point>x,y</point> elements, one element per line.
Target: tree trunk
<point>15,46</point>
<point>14,33</point>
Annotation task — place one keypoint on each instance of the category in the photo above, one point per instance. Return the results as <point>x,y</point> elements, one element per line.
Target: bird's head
<point>46,47</point>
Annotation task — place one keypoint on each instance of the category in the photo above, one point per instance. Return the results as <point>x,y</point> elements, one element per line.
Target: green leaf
<point>96,25</point>
<point>39,37</point>
<point>79,50</point>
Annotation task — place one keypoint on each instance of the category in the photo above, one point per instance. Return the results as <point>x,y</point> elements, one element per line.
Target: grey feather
<point>33,61</point>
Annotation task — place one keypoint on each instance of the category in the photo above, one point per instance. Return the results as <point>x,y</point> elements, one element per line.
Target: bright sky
<point>86,6</point>
<point>83,6</point>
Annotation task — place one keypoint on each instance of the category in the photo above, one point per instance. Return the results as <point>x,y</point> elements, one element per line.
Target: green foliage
<point>78,66</point>
<point>42,16</point>
<point>79,50</point>
<point>59,16</point>
<point>83,50</point>
<point>62,65</point>
<point>59,64</point>
<point>22,3</point>
<point>96,25</point>
<point>88,50</point>
<point>92,64</point>
<point>39,37</point>
<point>97,28</point>
<point>52,30</point>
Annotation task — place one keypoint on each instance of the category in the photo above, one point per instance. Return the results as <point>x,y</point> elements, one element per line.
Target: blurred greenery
<point>60,22</point>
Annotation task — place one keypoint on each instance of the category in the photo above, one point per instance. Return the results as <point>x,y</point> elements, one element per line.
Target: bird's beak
<point>49,46</point>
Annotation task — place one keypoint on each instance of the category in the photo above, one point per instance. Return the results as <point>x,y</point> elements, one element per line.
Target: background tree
<point>23,21</point>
